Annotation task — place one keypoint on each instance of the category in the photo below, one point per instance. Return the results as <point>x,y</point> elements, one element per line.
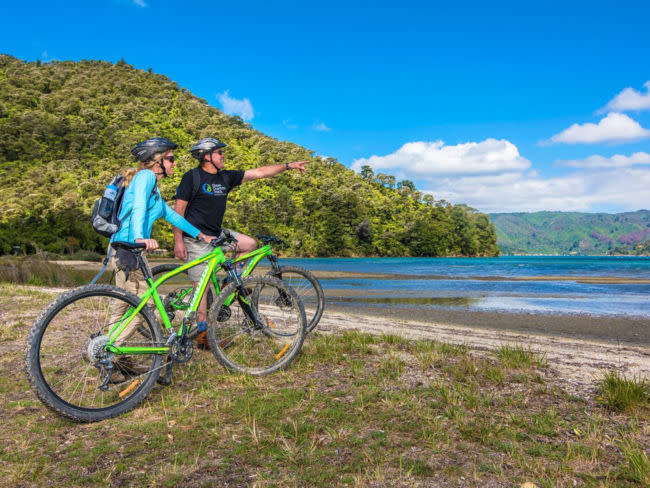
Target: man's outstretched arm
<point>273,170</point>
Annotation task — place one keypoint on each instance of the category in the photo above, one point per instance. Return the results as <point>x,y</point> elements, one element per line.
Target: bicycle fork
<point>243,297</point>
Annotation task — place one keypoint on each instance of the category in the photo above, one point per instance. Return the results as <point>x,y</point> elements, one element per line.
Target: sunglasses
<point>171,159</point>
<point>219,152</point>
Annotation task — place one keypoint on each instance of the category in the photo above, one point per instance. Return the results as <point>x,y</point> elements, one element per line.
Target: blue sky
<point>505,106</point>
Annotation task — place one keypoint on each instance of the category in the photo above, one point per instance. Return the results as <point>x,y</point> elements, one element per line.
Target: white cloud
<point>429,159</point>
<point>624,189</point>
<point>615,128</point>
<point>232,106</point>
<point>493,177</point>
<point>140,3</point>
<point>630,99</point>
<point>616,161</point>
<point>321,127</point>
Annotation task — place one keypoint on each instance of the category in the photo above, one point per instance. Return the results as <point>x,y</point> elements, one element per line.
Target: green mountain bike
<point>303,282</point>
<point>97,351</point>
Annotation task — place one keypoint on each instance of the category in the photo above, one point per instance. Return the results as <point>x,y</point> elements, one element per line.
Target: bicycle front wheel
<point>308,289</point>
<point>259,333</point>
<point>67,363</point>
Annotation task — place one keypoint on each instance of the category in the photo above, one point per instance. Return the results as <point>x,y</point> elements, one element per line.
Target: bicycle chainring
<point>181,350</point>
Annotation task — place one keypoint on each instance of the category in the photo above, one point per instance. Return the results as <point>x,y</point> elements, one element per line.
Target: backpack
<point>106,210</point>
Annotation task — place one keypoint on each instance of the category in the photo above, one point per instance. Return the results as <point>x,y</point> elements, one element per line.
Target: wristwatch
<point>286,166</point>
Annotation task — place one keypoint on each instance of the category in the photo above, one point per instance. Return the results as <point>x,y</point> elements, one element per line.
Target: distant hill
<point>573,232</point>
<point>66,128</point>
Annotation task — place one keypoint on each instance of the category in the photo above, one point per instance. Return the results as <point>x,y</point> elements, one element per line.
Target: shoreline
<point>633,331</point>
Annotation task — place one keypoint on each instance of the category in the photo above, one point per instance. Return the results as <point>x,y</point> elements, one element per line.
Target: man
<point>201,198</point>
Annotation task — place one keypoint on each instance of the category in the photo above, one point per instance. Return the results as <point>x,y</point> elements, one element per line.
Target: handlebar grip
<point>128,245</point>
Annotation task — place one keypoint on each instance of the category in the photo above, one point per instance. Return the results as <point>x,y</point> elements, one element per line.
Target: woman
<point>141,206</point>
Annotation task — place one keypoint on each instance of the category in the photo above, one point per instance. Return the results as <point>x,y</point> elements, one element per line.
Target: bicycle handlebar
<point>224,238</point>
<point>128,245</point>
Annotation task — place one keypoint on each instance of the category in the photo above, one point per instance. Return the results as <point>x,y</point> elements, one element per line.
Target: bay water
<point>593,285</point>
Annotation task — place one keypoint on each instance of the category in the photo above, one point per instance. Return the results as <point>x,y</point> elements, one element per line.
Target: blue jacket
<point>142,205</point>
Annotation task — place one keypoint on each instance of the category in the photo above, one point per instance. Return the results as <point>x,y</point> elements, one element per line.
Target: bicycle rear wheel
<point>66,361</point>
<point>308,289</point>
<point>259,348</point>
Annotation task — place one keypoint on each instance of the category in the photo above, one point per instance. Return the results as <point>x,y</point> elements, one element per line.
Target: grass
<point>620,394</point>
<point>353,410</point>
<point>40,272</point>
<point>637,462</point>
<point>515,356</point>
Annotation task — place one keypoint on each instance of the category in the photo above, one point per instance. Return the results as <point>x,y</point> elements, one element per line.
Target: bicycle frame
<point>254,256</point>
<point>215,258</point>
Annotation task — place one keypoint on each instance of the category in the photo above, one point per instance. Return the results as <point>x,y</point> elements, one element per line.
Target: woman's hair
<point>131,172</point>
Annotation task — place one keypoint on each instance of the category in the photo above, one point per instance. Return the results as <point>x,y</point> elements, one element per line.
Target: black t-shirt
<point>205,211</point>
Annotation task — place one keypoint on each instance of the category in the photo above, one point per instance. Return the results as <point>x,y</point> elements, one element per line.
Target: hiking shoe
<point>202,341</point>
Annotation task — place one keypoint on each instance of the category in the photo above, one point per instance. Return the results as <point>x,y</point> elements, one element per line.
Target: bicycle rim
<point>267,346</point>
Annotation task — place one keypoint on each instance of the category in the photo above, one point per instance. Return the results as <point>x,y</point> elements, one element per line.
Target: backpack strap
<point>196,182</point>
<point>196,186</point>
<point>101,271</point>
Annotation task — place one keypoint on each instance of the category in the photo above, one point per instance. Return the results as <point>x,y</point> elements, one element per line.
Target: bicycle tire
<point>309,291</point>
<point>244,348</point>
<point>59,365</point>
<point>161,269</point>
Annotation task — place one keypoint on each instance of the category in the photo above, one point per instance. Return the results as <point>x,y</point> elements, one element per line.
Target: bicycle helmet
<point>146,149</point>
<point>204,146</point>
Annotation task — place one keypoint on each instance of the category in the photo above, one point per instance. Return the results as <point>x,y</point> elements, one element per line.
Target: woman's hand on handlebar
<point>152,244</point>
<point>205,238</point>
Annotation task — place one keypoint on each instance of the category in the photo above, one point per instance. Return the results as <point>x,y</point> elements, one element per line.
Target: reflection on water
<point>440,301</point>
<point>602,305</point>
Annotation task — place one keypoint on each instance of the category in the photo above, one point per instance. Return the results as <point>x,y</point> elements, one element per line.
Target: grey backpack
<point>107,208</point>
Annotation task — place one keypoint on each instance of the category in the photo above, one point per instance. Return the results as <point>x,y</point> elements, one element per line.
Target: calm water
<point>489,284</point>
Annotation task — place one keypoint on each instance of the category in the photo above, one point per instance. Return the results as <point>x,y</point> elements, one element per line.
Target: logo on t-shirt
<point>216,189</point>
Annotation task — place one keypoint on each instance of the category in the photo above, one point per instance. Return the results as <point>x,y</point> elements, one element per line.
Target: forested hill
<point>67,128</point>
<point>573,233</point>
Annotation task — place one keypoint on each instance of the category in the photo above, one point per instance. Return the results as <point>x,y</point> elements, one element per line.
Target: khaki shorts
<point>197,248</point>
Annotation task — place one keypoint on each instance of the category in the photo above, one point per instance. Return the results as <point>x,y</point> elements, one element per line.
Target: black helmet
<point>204,146</point>
<point>146,149</point>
